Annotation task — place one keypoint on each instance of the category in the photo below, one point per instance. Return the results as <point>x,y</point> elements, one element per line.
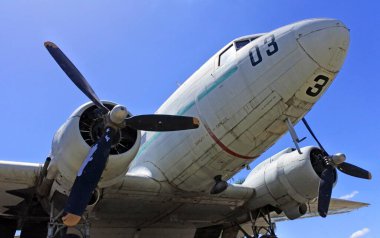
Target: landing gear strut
<point>260,231</point>
<point>56,228</point>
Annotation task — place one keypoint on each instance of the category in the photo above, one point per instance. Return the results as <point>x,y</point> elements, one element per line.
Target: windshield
<point>243,42</point>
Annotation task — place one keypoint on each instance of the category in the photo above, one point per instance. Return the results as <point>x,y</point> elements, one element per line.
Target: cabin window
<point>240,44</point>
<point>226,55</point>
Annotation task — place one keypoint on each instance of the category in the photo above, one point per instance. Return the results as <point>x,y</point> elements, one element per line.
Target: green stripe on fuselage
<point>188,106</point>
<point>217,82</point>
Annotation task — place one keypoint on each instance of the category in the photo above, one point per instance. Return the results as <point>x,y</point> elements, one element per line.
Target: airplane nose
<point>325,41</point>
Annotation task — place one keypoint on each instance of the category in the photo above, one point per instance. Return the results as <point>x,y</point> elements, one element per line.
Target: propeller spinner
<point>93,166</point>
<point>328,175</point>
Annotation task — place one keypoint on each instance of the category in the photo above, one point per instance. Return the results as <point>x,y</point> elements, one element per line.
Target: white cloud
<point>350,195</point>
<point>360,233</point>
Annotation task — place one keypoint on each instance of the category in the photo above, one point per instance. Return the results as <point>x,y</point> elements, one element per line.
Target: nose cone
<point>325,41</point>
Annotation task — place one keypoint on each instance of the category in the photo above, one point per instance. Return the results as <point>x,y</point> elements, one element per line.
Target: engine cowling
<point>287,180</point>
<point>73,140</point>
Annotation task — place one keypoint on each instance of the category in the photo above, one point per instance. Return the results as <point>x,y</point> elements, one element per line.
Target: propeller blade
<point>73,73</point>
<point>87,178</point>
<point>156,122</point>
<point>325,190</point>
<point>354,170</point>
<point>313,135</point>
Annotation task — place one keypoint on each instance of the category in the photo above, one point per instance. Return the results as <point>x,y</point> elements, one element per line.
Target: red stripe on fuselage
<point>223,146</point>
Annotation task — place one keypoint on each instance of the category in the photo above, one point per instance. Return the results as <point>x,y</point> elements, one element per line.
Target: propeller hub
<point>118,114</point>
<point>338,158</point>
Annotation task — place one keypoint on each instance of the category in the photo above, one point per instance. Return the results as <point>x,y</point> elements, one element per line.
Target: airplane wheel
<point>7,228</point>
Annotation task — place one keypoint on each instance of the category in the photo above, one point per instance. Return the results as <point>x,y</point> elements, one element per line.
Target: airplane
<point>114,174</point>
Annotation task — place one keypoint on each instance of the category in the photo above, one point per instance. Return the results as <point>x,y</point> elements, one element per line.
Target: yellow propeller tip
<point>71,219</point>
<point>196,121</point>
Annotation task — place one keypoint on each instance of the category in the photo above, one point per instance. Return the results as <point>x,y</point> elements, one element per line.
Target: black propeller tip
<point>323,214</point>
<point>49,44</point>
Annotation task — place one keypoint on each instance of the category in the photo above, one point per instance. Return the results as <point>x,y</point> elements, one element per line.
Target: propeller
<point>328,174</point>
<point>73,73</point>
<point>92,168</point>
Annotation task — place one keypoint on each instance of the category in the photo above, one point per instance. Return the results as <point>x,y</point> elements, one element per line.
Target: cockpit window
<point>241,43</point>
<point>226,56</point>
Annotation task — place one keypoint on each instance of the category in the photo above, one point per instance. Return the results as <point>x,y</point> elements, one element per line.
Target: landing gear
<point>294,135</point>
<point>56,228</point>
<point>261,231</point>
<point>269,230</point>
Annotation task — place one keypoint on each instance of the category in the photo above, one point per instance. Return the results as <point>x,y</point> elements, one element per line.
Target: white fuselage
<point>243,103</point>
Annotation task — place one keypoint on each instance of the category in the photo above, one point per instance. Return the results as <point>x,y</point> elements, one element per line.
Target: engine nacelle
<point>287,180</point>
<point>72,143</point>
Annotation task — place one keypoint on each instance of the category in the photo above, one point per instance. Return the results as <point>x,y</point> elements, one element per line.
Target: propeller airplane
<point>165,174</point>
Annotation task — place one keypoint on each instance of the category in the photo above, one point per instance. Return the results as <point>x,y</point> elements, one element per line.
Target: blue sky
<point>135,53</point>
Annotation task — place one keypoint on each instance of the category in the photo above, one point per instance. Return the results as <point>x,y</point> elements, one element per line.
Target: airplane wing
<point>16,179</point>
<point>19,175</point>
<point>337,206</point>
<point>146,202</point>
